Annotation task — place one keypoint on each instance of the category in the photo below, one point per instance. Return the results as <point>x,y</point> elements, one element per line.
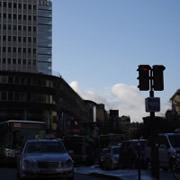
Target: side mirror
<point>70,152</point>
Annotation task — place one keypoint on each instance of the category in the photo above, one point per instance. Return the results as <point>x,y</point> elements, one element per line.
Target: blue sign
<point>152,104</point>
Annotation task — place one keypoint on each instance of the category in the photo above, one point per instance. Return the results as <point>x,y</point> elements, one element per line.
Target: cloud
<point>126,98</point>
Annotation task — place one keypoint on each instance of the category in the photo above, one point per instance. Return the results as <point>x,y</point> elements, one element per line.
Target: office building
<point>26,36</point>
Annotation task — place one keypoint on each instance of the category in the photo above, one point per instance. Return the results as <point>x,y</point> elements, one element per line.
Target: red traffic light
<point>144,77</point>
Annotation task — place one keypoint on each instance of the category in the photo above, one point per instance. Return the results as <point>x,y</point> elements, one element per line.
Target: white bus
<point>14,133</point>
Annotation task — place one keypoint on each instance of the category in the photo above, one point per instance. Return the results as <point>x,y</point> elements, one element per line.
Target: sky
<point>99,44</point>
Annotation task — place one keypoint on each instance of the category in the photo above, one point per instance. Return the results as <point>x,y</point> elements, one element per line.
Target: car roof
<point>169,134</point>
<point>44,140</point>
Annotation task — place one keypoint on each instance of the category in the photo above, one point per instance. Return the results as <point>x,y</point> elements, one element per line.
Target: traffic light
<point>144,77</point>
<point>158,80</point>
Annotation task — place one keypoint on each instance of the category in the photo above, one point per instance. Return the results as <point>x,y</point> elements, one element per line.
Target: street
<point>95,173</point>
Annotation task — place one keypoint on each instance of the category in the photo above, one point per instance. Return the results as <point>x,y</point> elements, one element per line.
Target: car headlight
<point>29,163</point>
<point>69,163</point>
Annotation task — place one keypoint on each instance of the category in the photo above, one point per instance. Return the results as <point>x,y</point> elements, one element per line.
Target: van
<point>169,150</point>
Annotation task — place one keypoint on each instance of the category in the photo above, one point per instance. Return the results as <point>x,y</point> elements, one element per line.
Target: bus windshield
<point>14,133</point>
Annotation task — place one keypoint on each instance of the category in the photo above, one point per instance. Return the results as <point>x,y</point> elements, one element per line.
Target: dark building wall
<point>36,96</point>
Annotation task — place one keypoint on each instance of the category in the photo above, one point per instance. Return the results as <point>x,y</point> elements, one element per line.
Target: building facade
<point>26,35</point>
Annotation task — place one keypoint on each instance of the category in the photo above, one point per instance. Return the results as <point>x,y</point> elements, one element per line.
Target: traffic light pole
<point>154,148</point>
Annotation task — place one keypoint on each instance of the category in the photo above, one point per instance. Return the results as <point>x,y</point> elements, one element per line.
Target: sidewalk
<point>123,174</point>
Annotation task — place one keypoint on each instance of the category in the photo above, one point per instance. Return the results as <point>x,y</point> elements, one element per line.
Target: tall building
<point>26,35</point>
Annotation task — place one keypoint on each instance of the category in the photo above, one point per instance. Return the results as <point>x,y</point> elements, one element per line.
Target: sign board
<point>152,104</point>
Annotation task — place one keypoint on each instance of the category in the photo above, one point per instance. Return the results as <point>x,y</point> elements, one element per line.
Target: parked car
<point>45,158</point>
<point>101,157</point>
<point>111,158</point>
<point>169,151</point>
<point>132,153</point>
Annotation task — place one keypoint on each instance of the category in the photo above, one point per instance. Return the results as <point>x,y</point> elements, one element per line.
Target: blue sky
<point>98,45</point>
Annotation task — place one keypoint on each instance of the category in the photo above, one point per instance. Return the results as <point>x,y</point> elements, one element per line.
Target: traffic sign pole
<point>154,148</point>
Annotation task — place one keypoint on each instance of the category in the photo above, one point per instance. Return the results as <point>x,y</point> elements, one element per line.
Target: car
<point>45,158</point>
<point>111,158</point>
<point>132,153</point>
<point>101,157</point>
<point>169,151</point>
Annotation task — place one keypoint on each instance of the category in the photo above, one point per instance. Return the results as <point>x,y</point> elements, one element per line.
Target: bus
<point>14,133</point>
<point>82,148</point>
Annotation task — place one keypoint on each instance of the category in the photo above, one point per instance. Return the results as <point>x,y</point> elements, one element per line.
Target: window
<point>24,17</point>
<point>19,50</point>
<point>29,50</point>
<point>10,96</point>
<point>14,16</point>
<point>9,5</point>
<point>4,38</point>
<point>34,7</point>
<point>14,5</point>
<point>4,15</point>
<point>29,28</point>
<point>19,61</point>
<point>9,61</point>
<point>24,6</point>
<point>14,38</point>
<point>9,49</point>
<point>34,18</point>
<point>14,61</point>
<point>24,62</point>
<point>29,7</point>
<point>4,26</point>
<point>34,29</point>
<point>9,38</point>
<point>19,6</point>
<point>9,16</point>
<point>19,38</point>
<point>19,28</point>
<point>29,39</point>
<point>4,4</point>
<point>9,27</point>
<point>29,18</point>
<point>3,96</point>
<point>14,27</point>
<point>14,50</point>
<point>19,16</point>
<point>24,28</point>
<point>4,61</point>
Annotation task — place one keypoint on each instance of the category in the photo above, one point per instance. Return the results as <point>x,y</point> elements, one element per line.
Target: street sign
<point>152,104</point>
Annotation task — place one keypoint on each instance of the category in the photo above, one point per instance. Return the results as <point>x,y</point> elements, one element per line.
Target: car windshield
<point>44,147</point>
<point>175,140</point>
<point>139,144</point>
<point>116,150</point>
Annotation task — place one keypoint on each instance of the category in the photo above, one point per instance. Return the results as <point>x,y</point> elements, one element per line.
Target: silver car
<point>45,158</point>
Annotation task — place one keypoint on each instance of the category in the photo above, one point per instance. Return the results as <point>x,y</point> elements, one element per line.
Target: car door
<point>163,152</point>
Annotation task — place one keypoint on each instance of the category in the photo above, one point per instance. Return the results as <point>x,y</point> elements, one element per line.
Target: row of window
<point>26,97</point>
<point>17,61</point>
<point>18,28</point>
<point>18,16</point>
<point>18,39</point>
<point>18,50</point>
<point>26,81</point>
<point>18,5</point>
